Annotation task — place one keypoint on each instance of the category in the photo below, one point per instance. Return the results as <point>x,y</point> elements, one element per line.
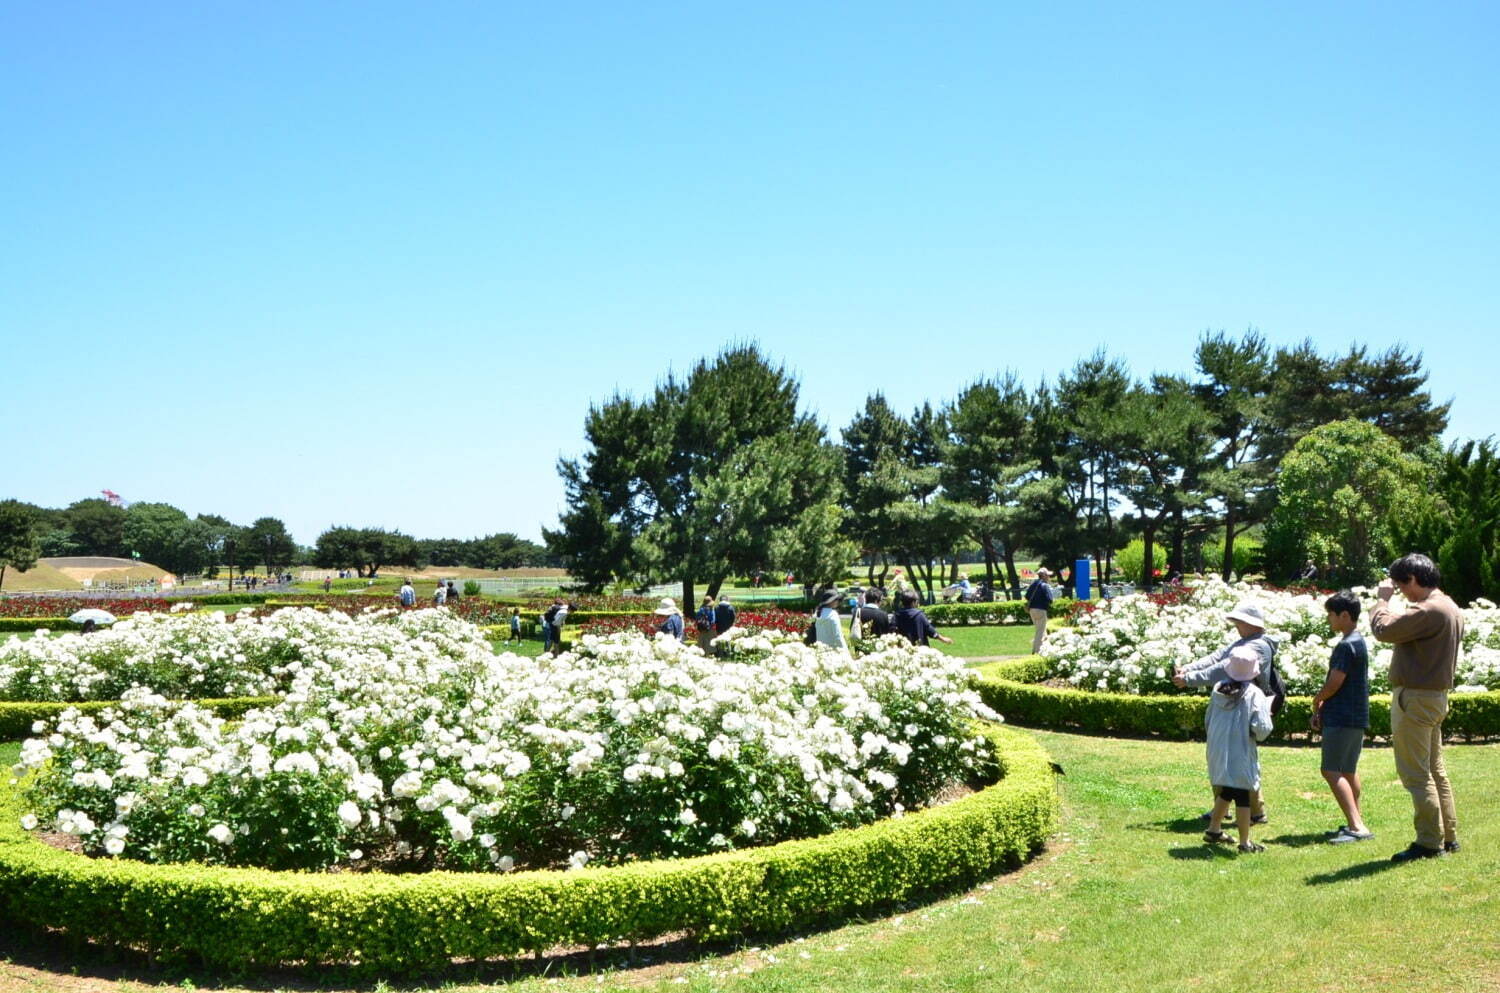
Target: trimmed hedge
<point>246,599</point>
<point>999,612</point>
<point>37,623</point>
<point>408,923</point>
<point>1010,688</point>
<point>17,716</point>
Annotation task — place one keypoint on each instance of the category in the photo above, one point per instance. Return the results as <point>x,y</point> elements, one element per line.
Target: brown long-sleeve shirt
<point>1426,636</point>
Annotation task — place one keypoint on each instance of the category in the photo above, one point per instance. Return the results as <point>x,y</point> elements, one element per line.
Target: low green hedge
<point>37,623</point>
<point>221,599</point>
<point>407,923</point>
<point>999,612</point>
<point>17,716</point>
<point>1010,688</point>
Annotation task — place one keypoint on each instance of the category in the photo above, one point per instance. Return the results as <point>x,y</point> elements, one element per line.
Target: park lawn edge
<point>240,918</point>
<point>1010,687</point>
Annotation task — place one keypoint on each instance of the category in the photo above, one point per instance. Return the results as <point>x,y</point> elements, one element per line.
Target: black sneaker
<point>1415,851</point>
<point>1451,846</point>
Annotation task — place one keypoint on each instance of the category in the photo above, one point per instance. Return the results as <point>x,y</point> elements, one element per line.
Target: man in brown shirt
<point>1426,636</point>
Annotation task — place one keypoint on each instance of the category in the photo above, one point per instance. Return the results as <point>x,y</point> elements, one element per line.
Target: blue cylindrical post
<point>1081,579</point>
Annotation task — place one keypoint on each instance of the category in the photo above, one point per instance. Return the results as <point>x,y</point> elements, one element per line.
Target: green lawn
<point>1125,898</point>
<point>986,642</point>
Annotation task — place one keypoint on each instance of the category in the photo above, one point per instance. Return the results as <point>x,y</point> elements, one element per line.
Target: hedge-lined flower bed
<point>999,612</point>
<point>235,918</point>
<point>403,741</point>
<point>747,621</point>
<point>62,606</point>
<point>1012,687</point>
<point>1131,644</point>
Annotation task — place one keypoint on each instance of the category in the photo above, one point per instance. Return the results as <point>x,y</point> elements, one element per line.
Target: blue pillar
<point>1081,579</point>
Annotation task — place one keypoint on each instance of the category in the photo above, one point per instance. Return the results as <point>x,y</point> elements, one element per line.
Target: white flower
<point>28,822</point>
<point>687,816</point>
<point>221,834</point>
<point>350,814</point>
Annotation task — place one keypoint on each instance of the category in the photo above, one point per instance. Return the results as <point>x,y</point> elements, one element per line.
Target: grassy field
<point>1126,898</point>
<point>986,642</point>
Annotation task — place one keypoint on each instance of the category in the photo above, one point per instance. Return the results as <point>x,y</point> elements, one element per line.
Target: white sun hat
<point>667,607</point>
<point>1250,613</point>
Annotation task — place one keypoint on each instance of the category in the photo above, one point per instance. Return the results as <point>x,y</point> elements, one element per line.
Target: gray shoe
<point>1345,836</point>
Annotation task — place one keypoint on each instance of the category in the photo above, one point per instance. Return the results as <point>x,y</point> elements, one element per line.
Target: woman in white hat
<point>672,619</point>
<point>826,627</point>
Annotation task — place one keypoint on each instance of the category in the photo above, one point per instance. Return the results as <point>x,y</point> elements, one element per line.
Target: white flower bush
<point>406,742</point>
<point>209,655</point>
<point>1131,644</point>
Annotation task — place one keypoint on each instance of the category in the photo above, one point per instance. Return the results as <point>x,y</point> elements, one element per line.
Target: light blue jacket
<point>1235,724</point>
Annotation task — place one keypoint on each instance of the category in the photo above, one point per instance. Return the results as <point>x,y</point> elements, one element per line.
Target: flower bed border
<point>248,917</point>
<point>1010,687</point>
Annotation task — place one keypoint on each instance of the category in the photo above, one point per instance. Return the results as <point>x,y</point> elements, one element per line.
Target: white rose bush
<point>401,741</point>
<point>1131,644</point>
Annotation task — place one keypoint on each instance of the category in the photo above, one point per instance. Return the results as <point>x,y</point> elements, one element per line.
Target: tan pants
<point>1417,742</point>
<point>1039,621</point>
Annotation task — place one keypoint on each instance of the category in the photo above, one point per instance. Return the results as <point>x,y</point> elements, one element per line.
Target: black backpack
<point>1276,683</point>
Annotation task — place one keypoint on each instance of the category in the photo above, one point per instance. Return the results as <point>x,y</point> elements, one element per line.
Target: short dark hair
<point>1419,567</point>
<point>873,596</point>
<point>1343,602</point>
<point>908,598</point>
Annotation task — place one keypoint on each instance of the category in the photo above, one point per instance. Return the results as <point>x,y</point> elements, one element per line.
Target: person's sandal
<point>1260,818</point>
<point>1215,837</point>
<point>1250,847</point>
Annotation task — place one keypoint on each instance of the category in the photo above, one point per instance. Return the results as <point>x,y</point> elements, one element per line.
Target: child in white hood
<point>1239,715</point>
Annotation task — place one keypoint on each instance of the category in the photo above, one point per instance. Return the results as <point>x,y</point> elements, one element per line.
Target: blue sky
<point>369,263</point>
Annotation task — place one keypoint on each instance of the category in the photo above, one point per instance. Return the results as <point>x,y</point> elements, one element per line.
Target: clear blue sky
<point>368,263</point>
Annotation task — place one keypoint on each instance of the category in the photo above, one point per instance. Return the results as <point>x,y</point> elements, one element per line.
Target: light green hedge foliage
<point>242,917</point>
<point>1009,687</point>
<point>16,718</point>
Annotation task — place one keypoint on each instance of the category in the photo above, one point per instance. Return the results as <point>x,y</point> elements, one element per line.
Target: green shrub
<point>999,612</point>
<point>248,917</point>
<point>1009,687</point>
<point>37,623</point>
<point>1129,561</point>
<point>471,588</point>
<point>221,599</point>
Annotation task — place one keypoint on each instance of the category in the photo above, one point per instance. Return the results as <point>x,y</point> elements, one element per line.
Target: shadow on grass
<point>1301,840</point>
<point>1202,853</point>
<point>1177,825</point>
<point>1358,870</point>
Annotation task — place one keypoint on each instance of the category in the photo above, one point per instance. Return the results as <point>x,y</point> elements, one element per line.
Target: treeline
<point>158,533</point>
<point>718,474</point>
<point>165,536</point>
<point>367,550</point>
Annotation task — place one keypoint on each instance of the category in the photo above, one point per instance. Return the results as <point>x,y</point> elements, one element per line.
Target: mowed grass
<point>1125,898</point>
<point>986,642</point>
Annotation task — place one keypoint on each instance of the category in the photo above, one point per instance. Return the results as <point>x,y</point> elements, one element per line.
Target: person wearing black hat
<point>913,624</point>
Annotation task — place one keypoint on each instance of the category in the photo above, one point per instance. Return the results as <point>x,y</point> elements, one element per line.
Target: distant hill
<point>41,577</point>
<point>69,573</point>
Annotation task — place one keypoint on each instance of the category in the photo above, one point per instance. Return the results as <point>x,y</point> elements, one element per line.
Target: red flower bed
<point>769,618</point>
<point>63,606</point>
